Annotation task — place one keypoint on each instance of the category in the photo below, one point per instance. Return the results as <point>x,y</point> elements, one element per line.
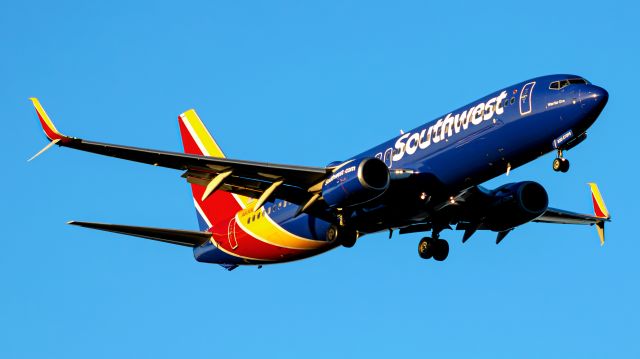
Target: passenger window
<point>513,99</point>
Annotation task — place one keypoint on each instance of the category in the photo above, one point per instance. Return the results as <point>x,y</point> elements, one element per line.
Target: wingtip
<point>48,127</point>
<point>599,207</point>
<point>600,229</point>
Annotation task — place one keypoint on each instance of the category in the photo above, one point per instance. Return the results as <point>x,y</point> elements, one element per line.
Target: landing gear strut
<point>560,163</point>
<point>433,247</point>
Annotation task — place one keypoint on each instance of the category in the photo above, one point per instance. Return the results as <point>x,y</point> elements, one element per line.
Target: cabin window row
<point>256,216</point>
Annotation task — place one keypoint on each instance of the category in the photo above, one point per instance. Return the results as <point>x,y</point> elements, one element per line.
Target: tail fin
<point>599,209</point>
<point>197,140</point>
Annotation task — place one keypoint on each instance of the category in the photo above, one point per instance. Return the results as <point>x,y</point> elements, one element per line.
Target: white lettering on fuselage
<point>555,103</point>
<point>446,127</point>
<point>339,174</point>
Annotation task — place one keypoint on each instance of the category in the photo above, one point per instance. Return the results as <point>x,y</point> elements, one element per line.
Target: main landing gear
<point>560,164</point>
<point>433,247</point>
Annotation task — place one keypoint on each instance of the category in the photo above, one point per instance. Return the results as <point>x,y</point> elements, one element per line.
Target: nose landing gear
<point>560,164</point>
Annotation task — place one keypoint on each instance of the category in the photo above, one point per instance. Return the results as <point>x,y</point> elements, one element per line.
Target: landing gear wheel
<point>349,240</point>
<point>441,251</point>
<point>425,248</point>
<point>345,236</point>
<point>561,164</point>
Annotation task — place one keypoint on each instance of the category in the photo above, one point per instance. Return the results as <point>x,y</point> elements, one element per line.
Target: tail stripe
<point>200,135</point>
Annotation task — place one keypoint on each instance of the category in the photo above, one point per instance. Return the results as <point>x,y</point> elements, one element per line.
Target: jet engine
<point>514,204</point>
<point>355,182</point>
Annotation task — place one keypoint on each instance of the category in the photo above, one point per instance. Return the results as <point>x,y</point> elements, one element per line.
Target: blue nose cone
<point>594,99</point>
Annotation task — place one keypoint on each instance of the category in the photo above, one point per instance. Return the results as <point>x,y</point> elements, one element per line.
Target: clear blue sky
<point>301,83</point>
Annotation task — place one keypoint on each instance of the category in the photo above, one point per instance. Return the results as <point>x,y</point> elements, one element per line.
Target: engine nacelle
<point>514,204</point>
<point>355,182</point>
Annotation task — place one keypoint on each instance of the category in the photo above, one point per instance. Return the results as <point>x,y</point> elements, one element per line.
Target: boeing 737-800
<point>425,180</point>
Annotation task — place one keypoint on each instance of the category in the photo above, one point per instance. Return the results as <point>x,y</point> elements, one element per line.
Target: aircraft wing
<point>601,214</point>
<point>554,215</point>
<point>253,179</point>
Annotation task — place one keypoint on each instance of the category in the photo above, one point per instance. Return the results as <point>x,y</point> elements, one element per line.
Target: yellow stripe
<point>596,194</point>
<point>44,115</point>
<point>203,134</point>
<point>267,230</point>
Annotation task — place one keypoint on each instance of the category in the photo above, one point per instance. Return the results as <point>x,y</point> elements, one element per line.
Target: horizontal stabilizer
<point>173,236</point>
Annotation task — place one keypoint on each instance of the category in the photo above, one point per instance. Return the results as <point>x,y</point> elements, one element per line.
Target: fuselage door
<point>525,98</point>
<point>231,233</point>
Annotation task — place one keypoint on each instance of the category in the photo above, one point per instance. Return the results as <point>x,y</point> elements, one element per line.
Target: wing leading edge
<point>248,178</point>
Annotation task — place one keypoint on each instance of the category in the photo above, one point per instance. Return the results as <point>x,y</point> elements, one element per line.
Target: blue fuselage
<point>461,149</point>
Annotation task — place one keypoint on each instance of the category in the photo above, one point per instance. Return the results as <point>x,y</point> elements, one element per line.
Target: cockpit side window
<point>555,85</point>
<point>563,84</point>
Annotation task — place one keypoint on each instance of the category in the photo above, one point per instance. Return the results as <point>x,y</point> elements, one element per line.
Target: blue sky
<point>301,83</point>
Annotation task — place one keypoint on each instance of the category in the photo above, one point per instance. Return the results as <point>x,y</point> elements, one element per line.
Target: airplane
<point>424,180</point>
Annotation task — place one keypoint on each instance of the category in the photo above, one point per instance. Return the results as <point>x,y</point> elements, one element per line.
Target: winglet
<point>49,129</point>
<point>600,210</point>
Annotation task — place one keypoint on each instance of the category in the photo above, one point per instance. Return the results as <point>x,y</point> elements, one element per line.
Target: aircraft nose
<point>594,99</point>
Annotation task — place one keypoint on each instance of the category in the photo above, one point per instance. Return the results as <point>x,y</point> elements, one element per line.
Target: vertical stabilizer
<point>197,140</point>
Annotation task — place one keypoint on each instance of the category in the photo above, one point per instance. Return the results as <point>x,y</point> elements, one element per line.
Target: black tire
<point>565,165</point>
<point>425,248</point>
<point>349,239</point>
<point>343,235</point>
<point>557,164</point>
<point>441,250</point>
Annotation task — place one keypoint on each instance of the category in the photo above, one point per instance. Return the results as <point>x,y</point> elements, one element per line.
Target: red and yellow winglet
<point>49,129</point>
<point>599,209</point>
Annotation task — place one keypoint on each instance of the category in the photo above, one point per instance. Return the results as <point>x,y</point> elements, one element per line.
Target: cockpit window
<point>578,81</point>
<point>558,85</point>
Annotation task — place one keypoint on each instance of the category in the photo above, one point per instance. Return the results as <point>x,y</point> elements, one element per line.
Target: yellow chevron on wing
<point>207,144</point>
<point>267,230</point>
